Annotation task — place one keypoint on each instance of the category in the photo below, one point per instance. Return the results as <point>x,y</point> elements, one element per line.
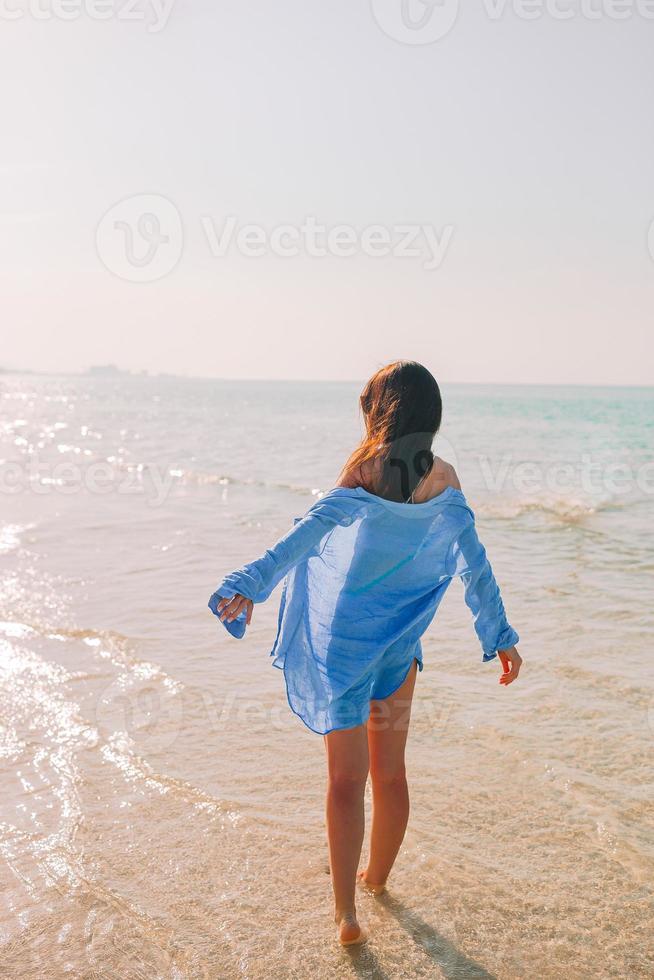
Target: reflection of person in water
<point>366,569</point>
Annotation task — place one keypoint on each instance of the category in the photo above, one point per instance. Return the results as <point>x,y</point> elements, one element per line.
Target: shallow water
<point>161,809</point>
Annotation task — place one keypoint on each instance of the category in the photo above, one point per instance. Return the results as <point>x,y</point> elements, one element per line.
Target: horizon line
<point>109,371</point>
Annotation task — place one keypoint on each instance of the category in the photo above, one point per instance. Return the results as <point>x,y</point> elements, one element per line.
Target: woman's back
<point>440,476</point>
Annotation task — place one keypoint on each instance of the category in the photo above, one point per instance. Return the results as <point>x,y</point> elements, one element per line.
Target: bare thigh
<point>347,754</point>
<point>388,728</point>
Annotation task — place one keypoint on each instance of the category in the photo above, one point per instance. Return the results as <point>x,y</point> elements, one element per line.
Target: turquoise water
<point>161,810</point>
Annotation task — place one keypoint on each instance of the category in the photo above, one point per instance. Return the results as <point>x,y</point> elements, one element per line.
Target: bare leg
<point>388,728</point>
<point>347,767</point>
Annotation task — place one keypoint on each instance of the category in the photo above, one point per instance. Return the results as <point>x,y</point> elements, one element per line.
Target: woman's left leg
<point>388,728</point>
<point>347,769</point>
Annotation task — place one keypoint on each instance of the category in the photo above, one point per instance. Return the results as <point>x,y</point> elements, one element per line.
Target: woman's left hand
<point>511,663</point>
<point>229,609</point>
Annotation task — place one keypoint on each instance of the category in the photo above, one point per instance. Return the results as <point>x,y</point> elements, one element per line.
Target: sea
<point>161,808</point>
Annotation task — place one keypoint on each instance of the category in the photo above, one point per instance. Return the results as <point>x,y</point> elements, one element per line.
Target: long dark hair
<point>402,408</point>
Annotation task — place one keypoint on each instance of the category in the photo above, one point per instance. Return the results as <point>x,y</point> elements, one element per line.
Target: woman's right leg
<point>347,769</point>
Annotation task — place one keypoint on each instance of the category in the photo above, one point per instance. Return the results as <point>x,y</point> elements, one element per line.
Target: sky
<point>311,189</point>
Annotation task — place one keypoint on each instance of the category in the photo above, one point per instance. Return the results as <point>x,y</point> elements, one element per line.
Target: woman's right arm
<point>233,600</point>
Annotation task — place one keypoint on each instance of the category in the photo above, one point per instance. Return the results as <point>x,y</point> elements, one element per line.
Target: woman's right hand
<point>229,609</point>
<point>511,662</point>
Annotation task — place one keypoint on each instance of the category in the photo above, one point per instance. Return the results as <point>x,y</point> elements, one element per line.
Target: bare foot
<point>376,889</point>
<point>350,932</point>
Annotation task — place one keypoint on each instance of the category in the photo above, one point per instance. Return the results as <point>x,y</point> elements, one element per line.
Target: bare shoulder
<point>445,473</point>
<point>441,476</point>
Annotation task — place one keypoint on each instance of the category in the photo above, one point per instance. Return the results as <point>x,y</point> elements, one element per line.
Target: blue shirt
<point>364,577</point>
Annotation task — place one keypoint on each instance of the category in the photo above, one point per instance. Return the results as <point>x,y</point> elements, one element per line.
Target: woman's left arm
<point>469,561</point>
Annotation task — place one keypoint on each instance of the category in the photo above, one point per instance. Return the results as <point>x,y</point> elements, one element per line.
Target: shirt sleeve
<point>258,578</point>
<point>469,561</point>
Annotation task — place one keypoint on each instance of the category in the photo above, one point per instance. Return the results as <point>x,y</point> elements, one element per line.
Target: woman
<point>365,570</point>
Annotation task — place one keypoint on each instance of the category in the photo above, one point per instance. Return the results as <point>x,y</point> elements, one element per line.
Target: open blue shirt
<point>364,577</point>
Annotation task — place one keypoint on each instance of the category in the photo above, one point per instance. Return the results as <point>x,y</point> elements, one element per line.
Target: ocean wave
<point>568,510</point>
<point>119,751</point>
<point>203,478</point>
<point>20,629</point>
<point>114,647</point>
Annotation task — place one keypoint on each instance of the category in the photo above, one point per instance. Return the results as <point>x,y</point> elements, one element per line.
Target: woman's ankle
<point>345,914</point>
<point>376,883</point>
